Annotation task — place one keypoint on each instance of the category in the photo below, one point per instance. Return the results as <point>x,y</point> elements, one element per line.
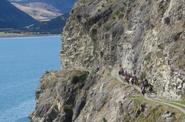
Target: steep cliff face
<point>147,37</point>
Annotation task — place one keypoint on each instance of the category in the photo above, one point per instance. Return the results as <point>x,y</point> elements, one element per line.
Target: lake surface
<point>23,60</point>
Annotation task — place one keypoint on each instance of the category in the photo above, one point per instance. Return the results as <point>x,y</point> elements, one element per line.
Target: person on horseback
<point>144,85</point>
<point>143,90</point>
<point>127,77</point>
<point>121,71</point>
<point>134,80</point>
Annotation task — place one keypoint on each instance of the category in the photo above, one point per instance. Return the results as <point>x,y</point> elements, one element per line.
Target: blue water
<point>22,62</point>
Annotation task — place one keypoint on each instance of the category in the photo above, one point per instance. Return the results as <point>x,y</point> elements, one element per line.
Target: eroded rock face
<point>93,98</point>
<point>57,95</point>
<point>147,37</point>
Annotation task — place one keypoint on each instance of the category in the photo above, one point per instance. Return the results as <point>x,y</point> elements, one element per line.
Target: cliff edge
<point>145,37</point>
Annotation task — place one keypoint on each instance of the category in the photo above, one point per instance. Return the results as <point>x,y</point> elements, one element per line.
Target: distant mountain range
<point>45,16</point>
<point>39,11</point>
<point>11,17</point>
<point>62,5</point>
<point>44,10</point>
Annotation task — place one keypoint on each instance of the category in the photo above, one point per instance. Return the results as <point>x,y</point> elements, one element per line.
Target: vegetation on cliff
<point>145,37</point>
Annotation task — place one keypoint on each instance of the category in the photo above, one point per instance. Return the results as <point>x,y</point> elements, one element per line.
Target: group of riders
<point>133,80</point>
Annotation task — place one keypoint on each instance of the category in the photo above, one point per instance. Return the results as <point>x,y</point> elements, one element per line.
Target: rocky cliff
<point>145,37</point>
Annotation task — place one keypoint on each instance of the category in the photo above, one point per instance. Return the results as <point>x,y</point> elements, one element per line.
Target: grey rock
<point>146,37</point>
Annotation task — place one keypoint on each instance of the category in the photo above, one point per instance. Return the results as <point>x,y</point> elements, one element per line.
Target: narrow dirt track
<point>176,105</point>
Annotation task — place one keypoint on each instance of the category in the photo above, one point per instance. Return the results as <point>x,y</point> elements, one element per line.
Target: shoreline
<point>27,35</point>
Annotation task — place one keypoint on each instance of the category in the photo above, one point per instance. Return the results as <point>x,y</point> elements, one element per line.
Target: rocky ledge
<point>145,37</point>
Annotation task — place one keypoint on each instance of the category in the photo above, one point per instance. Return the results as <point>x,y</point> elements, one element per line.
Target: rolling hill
<point>11,17</point>
<point>44,10</point>
<point>34,15</point>
<point>38,10</point>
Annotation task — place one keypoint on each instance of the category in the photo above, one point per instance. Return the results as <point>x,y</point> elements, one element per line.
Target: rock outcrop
<point>147,37</point>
